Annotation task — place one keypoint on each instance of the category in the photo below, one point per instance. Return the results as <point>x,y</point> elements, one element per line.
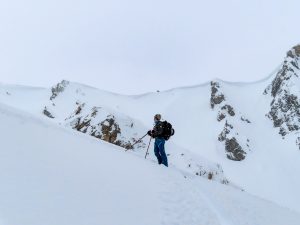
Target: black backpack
<point>168,130</point>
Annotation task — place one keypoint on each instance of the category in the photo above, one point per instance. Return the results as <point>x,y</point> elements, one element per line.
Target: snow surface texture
<point>50,175</point>
<point>237,140</point>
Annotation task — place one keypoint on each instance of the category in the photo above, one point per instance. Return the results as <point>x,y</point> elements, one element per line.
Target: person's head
<point>157,117</point>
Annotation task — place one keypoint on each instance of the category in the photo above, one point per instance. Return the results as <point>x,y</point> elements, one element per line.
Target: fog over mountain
<point>81,81</point>
<point>147,45</point>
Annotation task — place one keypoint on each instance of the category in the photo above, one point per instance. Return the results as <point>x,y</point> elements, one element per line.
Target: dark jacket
<point>157,130</point>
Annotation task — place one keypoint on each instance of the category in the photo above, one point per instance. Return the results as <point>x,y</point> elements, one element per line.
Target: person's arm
<point>157,130</point>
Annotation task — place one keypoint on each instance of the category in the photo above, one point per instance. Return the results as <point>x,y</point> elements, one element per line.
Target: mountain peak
<point>294,52</point>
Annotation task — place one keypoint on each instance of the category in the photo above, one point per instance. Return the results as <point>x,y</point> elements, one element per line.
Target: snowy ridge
<point>67,178</point>
<point>232,142</point>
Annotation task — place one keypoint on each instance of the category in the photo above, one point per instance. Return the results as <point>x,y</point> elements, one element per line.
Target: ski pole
<point>137,141</point>
<point>148,147</point>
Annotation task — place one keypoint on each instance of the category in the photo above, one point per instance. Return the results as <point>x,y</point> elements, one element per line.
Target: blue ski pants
<point>159,151</point>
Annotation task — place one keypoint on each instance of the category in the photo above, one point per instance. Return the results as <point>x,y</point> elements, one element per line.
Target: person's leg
<point>156,152</point>
<point>161,147</point>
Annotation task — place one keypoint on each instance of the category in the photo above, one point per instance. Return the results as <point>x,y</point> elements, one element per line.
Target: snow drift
<point>50,175</point>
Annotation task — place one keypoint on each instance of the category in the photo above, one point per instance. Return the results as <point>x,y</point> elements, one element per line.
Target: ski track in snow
<point>185,207</point>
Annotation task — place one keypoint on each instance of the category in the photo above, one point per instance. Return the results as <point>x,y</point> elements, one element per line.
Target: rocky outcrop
<point>110,129</point>
<point>225,110</point>
<point>95,121</point>
<point>216,97</point>
<point>234,150</point>
<point>47,113</point>
<point>59,88</point>
<point>235,145</point>
<point>284,91</point>
<point>100,124</point>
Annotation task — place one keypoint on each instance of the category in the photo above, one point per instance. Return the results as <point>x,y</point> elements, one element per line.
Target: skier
<point>159,144</point>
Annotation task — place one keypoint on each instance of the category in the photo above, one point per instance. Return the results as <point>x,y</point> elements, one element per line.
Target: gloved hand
<point>149,132</point>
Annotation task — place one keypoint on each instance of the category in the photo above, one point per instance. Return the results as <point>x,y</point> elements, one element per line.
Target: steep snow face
<point>285,94</point>
<point>66,177</point>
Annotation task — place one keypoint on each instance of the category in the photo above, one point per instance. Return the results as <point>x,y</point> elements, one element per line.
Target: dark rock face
<point>225,110</point>
<point>228,109</point>
<point>110,129</point>
<point>216,97</point>
<point>226,130</point>
<point>235,151</point>
<point>106,129</point>
<point>221,116</point>
<point>285,105</point>
<point>79,108</point>
<point>47,113</point>
<point>245,120</point>
<point>285,113</point>
<point>229,134</point>
<point>294,52</point>
<point>60,87</point>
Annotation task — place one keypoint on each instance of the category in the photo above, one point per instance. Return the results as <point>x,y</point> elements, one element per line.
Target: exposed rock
<point>234,150</point>
<point>225,110</point>
<point>93,124</point>
<point>229,109</point>
<point>47,113</point>
<point>226,130</point>
<point>216,97</point>
<point>59,88</point>
<point>285,104</point>
<point>236,145</point>
<point>82,124</point>
<point>245,120</point>
<point>221,116</point>
<point>295,51</point>
<point>110,130</point>
<point>78,110</point>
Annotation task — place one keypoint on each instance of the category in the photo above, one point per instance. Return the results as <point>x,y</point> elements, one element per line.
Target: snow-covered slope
<point>230,132</point>
<point>51,175</point>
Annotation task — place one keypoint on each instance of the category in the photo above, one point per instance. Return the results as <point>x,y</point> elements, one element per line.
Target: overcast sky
<point>135,46</point>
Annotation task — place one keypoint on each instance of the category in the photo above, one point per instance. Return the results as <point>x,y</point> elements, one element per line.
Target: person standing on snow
<point>159,144</point>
